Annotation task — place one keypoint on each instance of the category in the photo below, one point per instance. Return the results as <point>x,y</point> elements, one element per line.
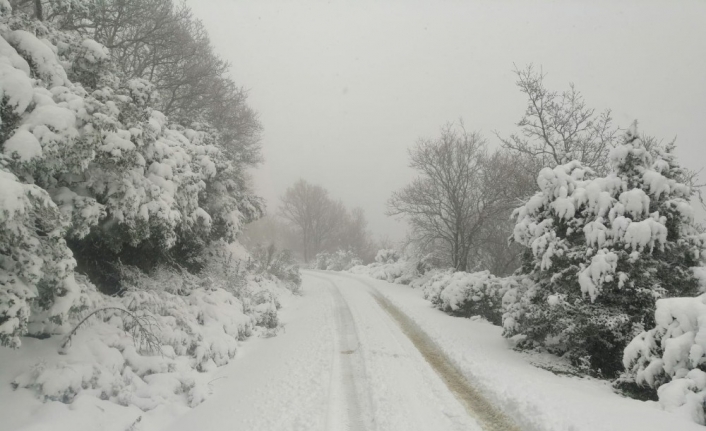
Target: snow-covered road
<point>343,362</point>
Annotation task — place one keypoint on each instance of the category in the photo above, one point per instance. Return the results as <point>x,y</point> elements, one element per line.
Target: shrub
<point>669,360</point>
<point>387,256</point>
<point>599,252</point>
<point>277,263</point>
<point>400,271</point>
<point>340,260</point>
<point>468,294</point>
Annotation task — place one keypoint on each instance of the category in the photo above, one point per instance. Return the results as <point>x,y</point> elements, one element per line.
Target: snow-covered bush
<point>670,359</point>
<point>86,161</point>
<point>35,264</point>
<point>599,252</point>
<point>196,323</point>
<point>340,260</point>
<point>468,294</point>
<point>387,256</point>
<point>93,177</point>
<point>196,332</point>
<point>401,271</point>
<point>321,260</point>
<point>277,263</point>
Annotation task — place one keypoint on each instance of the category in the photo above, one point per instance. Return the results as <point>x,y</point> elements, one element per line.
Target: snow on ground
<point>536,398</point>
<point>342,362</point>
<point>100,382</point>
<point>305,383</point>
<point>275,383</point>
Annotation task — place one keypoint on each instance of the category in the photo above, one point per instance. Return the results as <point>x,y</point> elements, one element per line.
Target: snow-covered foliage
<point>469,294</point>
<point>280,264</point>
<point>84,157</point>
<point>197,332</point>
<point>390,265</point>
<point>671,357</point>
<point>387,256</point>
<point>600,251</point>
<point>401,272</point>
<point>149,346</point>
<point>340,260</point>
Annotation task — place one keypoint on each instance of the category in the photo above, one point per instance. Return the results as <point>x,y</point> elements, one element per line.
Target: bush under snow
<point>88,170</point>
<point>84,158</point>
<point>191,325</point>
<point>599,252</point>
<point>339,260</point>
<point>469,294</point>
<point>671,357</point>
<point>387,256</point>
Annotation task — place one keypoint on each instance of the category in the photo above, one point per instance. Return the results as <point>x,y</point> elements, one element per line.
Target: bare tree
<point>506,176</point>
<point>355,237</point>
<point>558,127</point>
<point>455,196</point>
<point>309,208</point>
<point>323,223</point>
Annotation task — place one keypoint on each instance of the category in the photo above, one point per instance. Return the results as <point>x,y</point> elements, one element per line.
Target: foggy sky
<point>344,88</point>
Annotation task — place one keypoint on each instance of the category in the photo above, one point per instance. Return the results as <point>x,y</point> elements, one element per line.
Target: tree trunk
<point>38,11</point>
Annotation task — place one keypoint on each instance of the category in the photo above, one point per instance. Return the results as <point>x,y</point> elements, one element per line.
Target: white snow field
<point>342,364</point>
<point>362,354</point>
<point>345,362</point>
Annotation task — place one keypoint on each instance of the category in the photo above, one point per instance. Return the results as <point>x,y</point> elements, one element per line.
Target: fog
<point>344,88</point>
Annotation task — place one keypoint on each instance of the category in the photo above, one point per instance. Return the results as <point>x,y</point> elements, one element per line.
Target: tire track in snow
<point>348,408</point>
<point>490,418</point>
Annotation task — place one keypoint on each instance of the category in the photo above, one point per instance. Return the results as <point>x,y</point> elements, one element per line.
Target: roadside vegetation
<point>124,149</point>
<point>600,263</point>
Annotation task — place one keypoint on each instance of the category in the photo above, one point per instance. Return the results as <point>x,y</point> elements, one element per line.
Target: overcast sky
<point>344,88</point>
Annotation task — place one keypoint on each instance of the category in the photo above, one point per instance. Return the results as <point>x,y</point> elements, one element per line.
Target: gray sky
<point>344,88</point>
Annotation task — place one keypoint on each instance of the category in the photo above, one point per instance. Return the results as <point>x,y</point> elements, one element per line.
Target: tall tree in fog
<point>325,224</point>
<point>309,208</point>
<point>457,193</point>
<point>506,183</point>
<point>354,235</point>
<point>558,127</point>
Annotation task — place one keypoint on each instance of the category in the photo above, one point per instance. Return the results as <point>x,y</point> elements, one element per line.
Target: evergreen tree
<point>600,251</point>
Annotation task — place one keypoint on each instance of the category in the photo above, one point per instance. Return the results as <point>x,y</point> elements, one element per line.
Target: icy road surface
<point>347,360</point>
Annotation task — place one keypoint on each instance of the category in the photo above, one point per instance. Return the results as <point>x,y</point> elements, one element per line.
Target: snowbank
<point>193,326</point>
<point>538,399</point>
<point>671,357</point>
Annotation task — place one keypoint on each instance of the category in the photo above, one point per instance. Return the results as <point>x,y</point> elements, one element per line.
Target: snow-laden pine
<point>600,251</point>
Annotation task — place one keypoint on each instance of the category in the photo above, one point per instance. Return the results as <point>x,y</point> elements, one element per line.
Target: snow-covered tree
<point>600,251</point>
<point>85,159</point>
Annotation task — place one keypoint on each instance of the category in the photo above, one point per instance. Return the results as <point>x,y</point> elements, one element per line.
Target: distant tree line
<point>321,223</point>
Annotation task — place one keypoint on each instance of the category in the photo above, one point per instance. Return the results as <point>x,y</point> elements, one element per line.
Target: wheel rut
<point>489,417</point>
<point>349,407</point>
